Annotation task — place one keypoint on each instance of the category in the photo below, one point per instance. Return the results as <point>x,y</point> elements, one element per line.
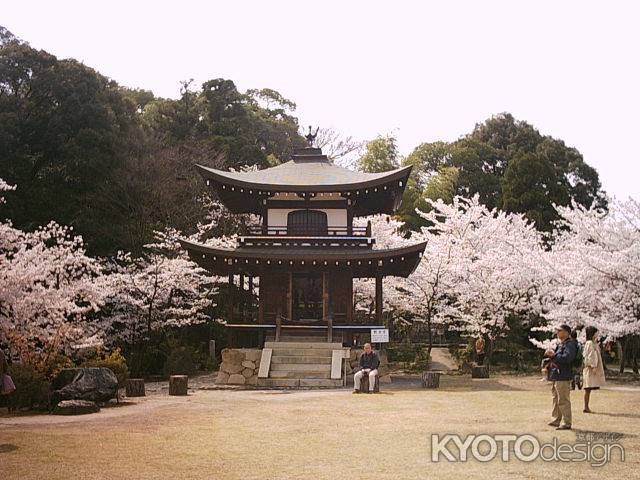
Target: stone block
<point>75,407</point>
<point>247,372</point>
<point>236,379</point>
<point>222,378</point>
<point>232,356</point>
<point>253,355</point>
<point>231,368</point>
<point>252,380</point>
<point>249,364</point>
<point>385,379</point>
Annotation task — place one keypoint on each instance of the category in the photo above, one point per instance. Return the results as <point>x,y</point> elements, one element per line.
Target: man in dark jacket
<point>369,363</point>
<point>561,374</point>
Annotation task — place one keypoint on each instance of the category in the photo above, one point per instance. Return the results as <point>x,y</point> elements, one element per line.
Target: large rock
<point>93,384</point>
<point>75,407</point>
<point>253,355</point>
<point>236,379</point>
<point>231,367</point>
<point>248,364</point>
<point>232,356</point>
<point>222,378</point>
<point>247,372</point>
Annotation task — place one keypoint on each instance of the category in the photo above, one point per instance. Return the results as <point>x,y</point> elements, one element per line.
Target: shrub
<point>114,361</point>
<point>180,362</point>
<point>32,388</point>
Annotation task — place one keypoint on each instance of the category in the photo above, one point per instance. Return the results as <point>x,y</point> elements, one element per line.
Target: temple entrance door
<point>307,296</point>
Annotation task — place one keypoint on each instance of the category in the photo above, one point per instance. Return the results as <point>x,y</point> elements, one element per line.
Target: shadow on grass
<point>602,435</point>
<point>617,415</point>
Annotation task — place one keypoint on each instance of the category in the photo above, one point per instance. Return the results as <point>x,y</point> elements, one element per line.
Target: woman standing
<point>593,370</point>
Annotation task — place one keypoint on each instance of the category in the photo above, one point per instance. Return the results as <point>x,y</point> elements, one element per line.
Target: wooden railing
<point>330,231</point>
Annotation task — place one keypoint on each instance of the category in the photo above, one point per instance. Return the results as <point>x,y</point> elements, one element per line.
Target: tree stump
<point>364,384</point>
<point>135,387</point>
<point>178,384</point>
<point>431,379</point>
<point>479,371</point>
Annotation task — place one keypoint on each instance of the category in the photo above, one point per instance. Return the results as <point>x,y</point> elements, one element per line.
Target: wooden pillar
<point>290,297</point>
<point>230,299</point>
<point>250,284</point>
<point>326,317</point>
<point>349,218</point>
<point>260,303</point>
<point>241,283</point>
<point>379,299</point>
<point>350,300</point>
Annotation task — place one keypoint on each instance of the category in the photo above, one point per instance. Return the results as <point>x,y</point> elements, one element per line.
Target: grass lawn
<point>226,434</point>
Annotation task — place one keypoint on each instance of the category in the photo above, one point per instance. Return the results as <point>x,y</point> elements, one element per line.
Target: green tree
<point>381,155</point>
<point>530,186</point>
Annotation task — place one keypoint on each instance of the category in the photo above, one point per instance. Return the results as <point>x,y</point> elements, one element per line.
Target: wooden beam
<point>290,297</point>
<point>379,298</point>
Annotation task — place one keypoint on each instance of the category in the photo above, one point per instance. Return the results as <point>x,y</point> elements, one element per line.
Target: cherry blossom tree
<point>595,274</point>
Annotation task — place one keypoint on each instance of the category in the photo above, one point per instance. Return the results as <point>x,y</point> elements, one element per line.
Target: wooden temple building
<point>307,250</point>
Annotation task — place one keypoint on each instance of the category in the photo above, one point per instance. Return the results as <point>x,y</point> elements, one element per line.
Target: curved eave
<point>380,194</point>
<point>368,263</point>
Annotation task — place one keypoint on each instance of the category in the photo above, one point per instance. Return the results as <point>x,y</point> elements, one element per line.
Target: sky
<point>420,70</point>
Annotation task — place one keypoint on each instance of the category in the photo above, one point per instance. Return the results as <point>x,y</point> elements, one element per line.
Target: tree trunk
<point>135,387</point>
<point>178,384</point>
<point>430,379</point>
<point>621,353</point>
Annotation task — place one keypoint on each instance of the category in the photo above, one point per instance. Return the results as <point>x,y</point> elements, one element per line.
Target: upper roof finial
<point>311,137</point>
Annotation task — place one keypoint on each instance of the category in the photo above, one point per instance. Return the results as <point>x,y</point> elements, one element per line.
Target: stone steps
<point>301,352</point>
<point>299,382</point>
<point>300,374</point>
<point>324,360</point>
<point>303,345</point>
<point>301,367</point>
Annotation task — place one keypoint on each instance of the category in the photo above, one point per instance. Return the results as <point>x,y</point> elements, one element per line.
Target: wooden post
<point>329,329</point>
<point>290,297</point>
<point>135,387</point>
<point>431,379</point>
<point>350,300</point>
<point>230,299</point>
<point>178,384</point>
<point>479,371</point>
<point>212,350</point>
<point>325,295</point>
<point>250,285</point>
<point>379,299</point>
<point>260,302</point>
<point>278,325</point>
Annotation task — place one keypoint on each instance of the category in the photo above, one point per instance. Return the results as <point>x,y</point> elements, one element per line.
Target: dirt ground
<point>320,434</point>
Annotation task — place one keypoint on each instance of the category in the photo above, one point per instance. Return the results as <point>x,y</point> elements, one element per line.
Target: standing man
<point>561,374</point>
<point>369,363</point>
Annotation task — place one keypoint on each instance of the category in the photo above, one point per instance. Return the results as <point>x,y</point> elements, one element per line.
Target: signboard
<point>379,335</point>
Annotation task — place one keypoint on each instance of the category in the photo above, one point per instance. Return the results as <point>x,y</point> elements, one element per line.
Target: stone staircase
<point>301,361</point>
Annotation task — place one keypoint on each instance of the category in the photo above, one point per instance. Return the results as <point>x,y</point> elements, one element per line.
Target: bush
<point>180,362</point>
<point>32,388</point>
<point>114,361</point>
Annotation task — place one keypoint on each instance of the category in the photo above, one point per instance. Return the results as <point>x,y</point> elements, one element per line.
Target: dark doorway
<point>307,296</point>
<point>307,223</point>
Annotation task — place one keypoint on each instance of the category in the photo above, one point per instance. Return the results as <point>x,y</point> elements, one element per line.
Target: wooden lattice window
<point>307,223</point>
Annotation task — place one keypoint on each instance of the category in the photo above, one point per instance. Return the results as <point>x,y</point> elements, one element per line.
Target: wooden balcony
<point>331,237</point>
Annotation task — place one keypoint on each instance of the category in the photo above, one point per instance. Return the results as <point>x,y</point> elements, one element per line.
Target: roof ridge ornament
<point>311,137</point>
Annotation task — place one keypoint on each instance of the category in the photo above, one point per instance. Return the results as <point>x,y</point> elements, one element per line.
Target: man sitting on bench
<point>369,363</point>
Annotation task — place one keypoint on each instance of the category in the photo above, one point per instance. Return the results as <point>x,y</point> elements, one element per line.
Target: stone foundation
<point>239,366</point>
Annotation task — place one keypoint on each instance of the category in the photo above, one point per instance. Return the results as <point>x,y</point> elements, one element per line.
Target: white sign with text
<point>379,335</point>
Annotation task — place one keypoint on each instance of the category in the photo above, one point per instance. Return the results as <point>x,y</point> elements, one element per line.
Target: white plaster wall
<point>336,217</point>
